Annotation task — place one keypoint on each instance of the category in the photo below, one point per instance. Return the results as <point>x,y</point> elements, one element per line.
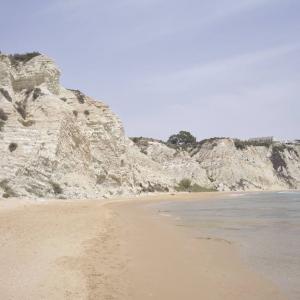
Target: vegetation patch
<point>15,59</point>
<point>86,112</point>
<point>100,179</point>
<point>151,188</point>
<point>183,139</point>
<point>8,191</point>
<point>63,99</point>
<point>185,185</point>
<point>5,94</point>
<point>28,92</point>
<point>3,115</point>
<point>79,95</point>
<point>212,141</point>
<point>196,188</point>
<point>241,145</point>
<point>75,113</point>
<point>12,147</point>
<point>142,143</point>
<point>37,92</point>
<point>56,188</point>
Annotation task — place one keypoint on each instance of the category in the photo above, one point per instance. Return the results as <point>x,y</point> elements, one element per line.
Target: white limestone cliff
<point>56,142</point>
<point>66,144</point>
<point>221,164</point>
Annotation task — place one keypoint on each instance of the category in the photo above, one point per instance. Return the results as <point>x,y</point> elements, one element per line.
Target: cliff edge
<point>58,142</point>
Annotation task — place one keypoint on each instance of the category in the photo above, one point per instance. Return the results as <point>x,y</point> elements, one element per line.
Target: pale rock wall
<point>71,146</point>
<point>65,139</point>
<point>178,164</point>
<point>232,169</point>
<point>218,163</point>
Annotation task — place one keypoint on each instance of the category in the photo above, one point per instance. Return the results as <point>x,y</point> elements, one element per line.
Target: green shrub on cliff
<point>8,191</point>
<point>3,115</point>
<point>182,139</point>
<point>185,185</point>
<point>56,188</point>
<point>240,144</point>
<point>12,147</point>
<point>17,58</point>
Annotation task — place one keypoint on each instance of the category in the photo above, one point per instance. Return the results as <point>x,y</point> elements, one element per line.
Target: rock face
<point>56,142</point>
<point>222,164</point>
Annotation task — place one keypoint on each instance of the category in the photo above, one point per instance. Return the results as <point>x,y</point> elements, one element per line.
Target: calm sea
<point>265,227</point>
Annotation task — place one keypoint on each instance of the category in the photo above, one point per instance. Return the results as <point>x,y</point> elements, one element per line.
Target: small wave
<point>290,193</point>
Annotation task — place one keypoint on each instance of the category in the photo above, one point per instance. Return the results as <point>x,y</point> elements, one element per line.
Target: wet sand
<point>115,250</point>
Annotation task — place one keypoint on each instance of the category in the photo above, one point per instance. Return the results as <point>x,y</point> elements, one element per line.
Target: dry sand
<point>115,250</point>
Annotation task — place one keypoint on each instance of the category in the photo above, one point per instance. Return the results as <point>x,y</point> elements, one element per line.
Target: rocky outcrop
<point>57,142</point>
<point>223,164</point>
<point>178,164</point>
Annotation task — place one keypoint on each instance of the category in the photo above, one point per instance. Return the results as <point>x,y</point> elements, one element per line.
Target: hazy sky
<point>215,68</point>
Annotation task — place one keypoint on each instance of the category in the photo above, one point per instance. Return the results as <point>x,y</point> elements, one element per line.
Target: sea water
<point>265,227</point>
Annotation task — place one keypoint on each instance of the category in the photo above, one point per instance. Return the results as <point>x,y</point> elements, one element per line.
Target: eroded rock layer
<point>226,165</point>
<point>57,142</point>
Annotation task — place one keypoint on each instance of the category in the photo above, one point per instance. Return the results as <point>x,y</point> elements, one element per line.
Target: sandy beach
<point>115,250</point>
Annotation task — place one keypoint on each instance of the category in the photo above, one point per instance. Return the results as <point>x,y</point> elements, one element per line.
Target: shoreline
<point>117,249</point>
<point>170,264</point>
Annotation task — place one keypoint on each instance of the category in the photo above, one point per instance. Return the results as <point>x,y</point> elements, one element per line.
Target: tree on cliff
<point>182,139</point>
